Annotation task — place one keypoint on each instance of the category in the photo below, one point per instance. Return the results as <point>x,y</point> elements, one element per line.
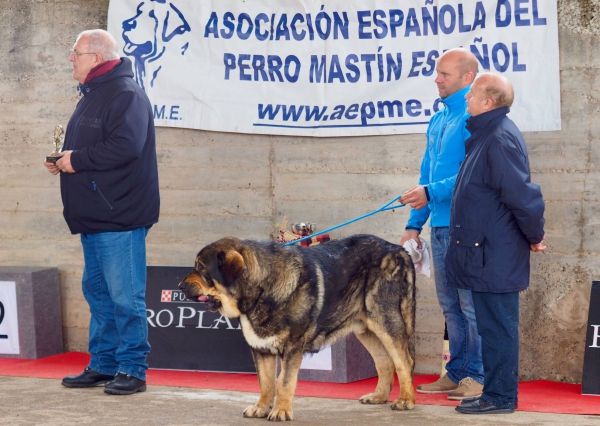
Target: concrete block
<point>429,352</point>
<point>188,178</point>
<point>62,253</point>
<point>36,112</point>
<point>171,254</point>
<point>573,127</point>
<point>560,186</point>
<point>38,310</point>
<point>575,50</point>
<point>575,80</point>
<point>34,199</point>
<point>426,292</point>
<point>429,318</point>
<point>594,157</point>
<point>31,225</point>
<point>561,217</point>
<point>350,361</point>
<point>215,157</point>
<point>551,154</point>
<point>26,177</point>
<point>591,192</point>
<point>76,339</point>
<point>341,186</point>
<point>383,155</point>
<point>579,103</point>
<point>202,230</point>
<point>590,224</point>
<point>218,203</point>
<point>75,311</point>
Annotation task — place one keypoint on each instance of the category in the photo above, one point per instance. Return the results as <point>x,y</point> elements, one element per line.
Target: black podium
<point>184,336</point>
<point>590,384</point>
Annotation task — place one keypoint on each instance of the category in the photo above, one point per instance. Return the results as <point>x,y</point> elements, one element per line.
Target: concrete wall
<point>217,184</point>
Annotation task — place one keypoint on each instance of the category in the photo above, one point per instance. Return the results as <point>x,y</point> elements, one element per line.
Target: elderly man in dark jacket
<point>496,220</point>
<point>109,187</point>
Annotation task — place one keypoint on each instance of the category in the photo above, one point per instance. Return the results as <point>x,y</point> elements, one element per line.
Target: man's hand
<point>411,235</point>
<point>52,168</point>
<point>415,197</point>
<point>64,164</point>
<point>536,248</point>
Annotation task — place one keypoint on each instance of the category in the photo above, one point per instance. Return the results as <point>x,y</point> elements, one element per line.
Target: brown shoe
<point>442,385</point>
<point>467,388</point>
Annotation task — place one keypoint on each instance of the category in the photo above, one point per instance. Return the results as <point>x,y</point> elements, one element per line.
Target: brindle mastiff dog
<point>294,300</point>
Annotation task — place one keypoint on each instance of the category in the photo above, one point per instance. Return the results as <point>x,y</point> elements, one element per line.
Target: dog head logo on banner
<point>152,37</point>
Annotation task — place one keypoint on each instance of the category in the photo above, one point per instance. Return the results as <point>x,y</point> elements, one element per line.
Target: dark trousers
<point>498,325</point>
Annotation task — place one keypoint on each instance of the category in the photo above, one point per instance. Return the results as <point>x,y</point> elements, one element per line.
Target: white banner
<point>337,68</point>
<point>9,322</point>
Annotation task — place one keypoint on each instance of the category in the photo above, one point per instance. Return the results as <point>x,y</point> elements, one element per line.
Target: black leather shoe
<point>481,406</point>
<point>125,384</point>
<point>88,379</point>
<point>469,399</point>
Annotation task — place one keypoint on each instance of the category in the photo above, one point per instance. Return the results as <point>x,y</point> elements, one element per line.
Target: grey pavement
<point>31,401</point>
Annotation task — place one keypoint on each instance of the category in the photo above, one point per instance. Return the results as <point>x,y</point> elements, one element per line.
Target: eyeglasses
<point>74,52</point>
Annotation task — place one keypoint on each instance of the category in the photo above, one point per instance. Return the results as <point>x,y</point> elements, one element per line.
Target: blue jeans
<point>498,320</point>
<point>459,312</point>
<point>114,285</point>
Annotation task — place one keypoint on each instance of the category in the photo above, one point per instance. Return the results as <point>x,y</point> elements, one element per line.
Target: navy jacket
<point>496,211</point>
<point>111,133</point>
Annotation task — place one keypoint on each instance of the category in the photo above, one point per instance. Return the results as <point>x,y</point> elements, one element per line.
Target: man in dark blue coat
<point>109,187</point>
<point>497,218</point>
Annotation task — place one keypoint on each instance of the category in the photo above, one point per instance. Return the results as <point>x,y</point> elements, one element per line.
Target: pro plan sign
<point>184,336</point>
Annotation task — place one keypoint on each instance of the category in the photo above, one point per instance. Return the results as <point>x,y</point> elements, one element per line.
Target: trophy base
<point>53,158</point>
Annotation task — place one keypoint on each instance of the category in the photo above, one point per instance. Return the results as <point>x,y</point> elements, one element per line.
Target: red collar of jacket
<point>101,69</point>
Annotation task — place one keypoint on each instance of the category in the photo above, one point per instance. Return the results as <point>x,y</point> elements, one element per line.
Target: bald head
<point>456,69</point>
<point>463,58</point>
<point>489,91</point>
<point>497,88</point>
<point>102,42</point>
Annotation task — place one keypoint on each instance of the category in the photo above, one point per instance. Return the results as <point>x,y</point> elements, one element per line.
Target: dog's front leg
<point>286,385</point>
<point>266,370</point>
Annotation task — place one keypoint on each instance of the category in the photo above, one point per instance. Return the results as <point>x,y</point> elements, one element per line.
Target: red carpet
<point>538,395</point>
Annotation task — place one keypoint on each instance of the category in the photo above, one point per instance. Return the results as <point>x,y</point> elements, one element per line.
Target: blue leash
<point>381,209</point>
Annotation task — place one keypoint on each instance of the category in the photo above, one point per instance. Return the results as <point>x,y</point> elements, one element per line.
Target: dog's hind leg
<point>384,366</point>
<point>266,368</point>
<point>286,384</point>
<point>400,348</point>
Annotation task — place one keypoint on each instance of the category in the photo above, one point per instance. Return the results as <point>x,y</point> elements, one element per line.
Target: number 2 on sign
<point>2,336</point>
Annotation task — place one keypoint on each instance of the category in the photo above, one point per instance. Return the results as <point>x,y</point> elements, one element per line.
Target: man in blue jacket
<point>109,187</point>
<point>431,199</point>
<point>497,218</point>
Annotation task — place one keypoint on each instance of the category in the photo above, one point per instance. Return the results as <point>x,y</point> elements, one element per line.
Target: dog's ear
<point>231,265</point>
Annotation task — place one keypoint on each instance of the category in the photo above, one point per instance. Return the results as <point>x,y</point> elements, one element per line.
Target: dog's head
<point>214,277</point>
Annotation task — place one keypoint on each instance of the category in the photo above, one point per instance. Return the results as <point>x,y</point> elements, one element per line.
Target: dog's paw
<point>373,398</point>
<point>256,411</point>
<point>281,415</point>
<point>403,404</point>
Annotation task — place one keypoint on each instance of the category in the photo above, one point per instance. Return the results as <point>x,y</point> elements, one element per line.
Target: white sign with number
<point>9,322</point>
<point>319,361</point>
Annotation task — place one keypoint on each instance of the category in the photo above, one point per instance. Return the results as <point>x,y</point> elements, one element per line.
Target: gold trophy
<point>59,141</point>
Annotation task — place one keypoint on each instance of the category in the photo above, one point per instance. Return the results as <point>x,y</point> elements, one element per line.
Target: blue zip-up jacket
<point>111,134</point>
<point>444,152</point>
<point>497,212</point>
